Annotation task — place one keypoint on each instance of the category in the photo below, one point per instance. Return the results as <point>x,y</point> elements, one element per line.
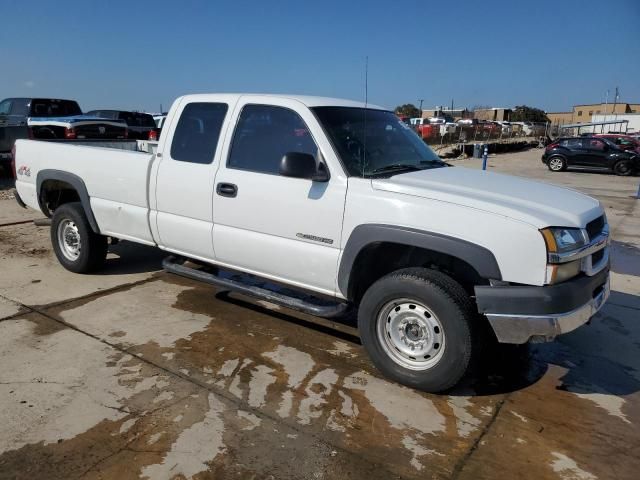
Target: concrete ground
<point>134,373</point>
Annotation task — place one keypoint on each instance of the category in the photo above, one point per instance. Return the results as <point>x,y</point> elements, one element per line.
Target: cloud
<point>29,84</point>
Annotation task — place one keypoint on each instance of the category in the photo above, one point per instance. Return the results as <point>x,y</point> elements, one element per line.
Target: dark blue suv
<point>590,153</point>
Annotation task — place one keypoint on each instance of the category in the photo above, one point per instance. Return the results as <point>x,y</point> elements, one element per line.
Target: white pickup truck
<point>335,205</point>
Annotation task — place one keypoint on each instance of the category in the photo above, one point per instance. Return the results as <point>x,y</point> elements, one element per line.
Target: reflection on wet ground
<point>172,381</point>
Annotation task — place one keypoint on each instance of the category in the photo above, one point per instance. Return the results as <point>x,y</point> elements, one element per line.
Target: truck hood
<point>538,204</point>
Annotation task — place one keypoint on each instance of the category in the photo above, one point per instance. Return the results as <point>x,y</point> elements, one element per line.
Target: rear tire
<point>623,168</point>
<point>419,328</point>
<point>557,164</point>
<point>78,248</point>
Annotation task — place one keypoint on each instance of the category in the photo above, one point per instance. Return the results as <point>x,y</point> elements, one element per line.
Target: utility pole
<point>421,100</point>
<point>615,102</point>
<point>606,104</point>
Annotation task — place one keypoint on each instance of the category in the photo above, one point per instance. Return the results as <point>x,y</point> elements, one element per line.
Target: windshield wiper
<point>433,163</point>
<point>397,167</point>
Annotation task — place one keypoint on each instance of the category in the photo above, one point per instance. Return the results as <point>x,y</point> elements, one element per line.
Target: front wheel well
<point>379,259</point>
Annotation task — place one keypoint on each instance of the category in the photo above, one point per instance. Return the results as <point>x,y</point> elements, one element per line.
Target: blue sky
<point>139,54</point>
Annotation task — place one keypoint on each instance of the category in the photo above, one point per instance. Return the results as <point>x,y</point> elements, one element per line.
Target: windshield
<point>389,146</point>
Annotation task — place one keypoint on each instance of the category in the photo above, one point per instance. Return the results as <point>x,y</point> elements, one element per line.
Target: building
<point>493,114</point>
<point>455,113</point>
<point>560,118</point>
<point>584,113</point>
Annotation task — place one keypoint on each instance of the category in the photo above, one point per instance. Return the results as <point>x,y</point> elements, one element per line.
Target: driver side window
<point>264,134</point>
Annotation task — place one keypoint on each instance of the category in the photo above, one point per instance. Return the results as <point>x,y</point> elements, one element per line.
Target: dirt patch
<point>23,241</point>
<point>7,190</point>
<point>8,194</point>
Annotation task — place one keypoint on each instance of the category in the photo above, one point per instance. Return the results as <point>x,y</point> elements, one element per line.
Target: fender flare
<point>76,182</point>
<point>480,258</point>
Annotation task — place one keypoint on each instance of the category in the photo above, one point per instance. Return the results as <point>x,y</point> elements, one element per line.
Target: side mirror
<point>303,165</point>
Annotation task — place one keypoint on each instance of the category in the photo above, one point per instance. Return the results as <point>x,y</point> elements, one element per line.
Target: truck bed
<point>116,180</point>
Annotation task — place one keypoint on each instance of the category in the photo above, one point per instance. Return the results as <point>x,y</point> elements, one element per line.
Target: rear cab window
<point>135,119</point>
<point>196,135</point>
<point>103,114</point>
<point>54,108</point>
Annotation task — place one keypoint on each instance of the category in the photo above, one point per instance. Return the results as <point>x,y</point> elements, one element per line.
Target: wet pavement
<point>136,373</point>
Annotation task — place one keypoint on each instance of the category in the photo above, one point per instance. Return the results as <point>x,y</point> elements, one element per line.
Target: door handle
<point>227,190</point>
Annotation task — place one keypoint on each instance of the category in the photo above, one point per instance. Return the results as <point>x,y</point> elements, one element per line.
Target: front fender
<point>481,259</point>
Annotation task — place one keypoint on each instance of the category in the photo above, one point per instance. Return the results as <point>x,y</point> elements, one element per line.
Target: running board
<point>175,265</point>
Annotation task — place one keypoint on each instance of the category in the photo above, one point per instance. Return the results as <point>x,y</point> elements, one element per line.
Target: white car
<point>507,128</point>
<point>288,188</point>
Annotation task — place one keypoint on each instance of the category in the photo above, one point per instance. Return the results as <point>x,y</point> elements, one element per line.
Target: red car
<point>625,142</point>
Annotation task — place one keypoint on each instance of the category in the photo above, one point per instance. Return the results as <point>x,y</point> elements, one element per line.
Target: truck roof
<point>307,100</point>
<point>41,99</point>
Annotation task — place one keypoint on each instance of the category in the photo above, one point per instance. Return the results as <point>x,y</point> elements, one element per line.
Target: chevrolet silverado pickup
<point>329,206</point>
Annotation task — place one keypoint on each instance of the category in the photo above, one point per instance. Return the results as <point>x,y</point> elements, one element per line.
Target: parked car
<point>625,142</point>
<point>426,130</point>
<point>418,121</point>
<point>141,126</point>
<point>340,202</point>
<point>466,122</point>
<point>441,120</point>
<point>590,153</point>
<point>48,118</point>
<point>505,127</point>
<point>489,129</point>
<point>81,127</point>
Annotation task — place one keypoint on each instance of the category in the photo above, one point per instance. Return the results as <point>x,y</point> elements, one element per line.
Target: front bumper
<point>518,314</point>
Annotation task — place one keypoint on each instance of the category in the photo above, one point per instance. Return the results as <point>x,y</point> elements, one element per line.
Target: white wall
<point>633,125</point>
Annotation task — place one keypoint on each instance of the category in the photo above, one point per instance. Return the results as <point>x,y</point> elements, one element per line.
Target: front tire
<point>557,164</point>
<point>418,327</point>
<point>78,248</point>
<point>623,168</point>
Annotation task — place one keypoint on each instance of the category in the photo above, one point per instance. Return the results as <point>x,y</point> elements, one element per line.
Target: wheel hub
<point>410,334</point>
<point>69,239</point>
<point>413,333</point>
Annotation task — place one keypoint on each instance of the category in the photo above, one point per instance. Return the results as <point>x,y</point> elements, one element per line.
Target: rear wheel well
<point>54,193</point>
<point>379,259</point>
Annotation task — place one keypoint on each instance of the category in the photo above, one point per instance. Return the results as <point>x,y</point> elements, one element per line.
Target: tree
<point>408,110</point>
<point>523,113</point>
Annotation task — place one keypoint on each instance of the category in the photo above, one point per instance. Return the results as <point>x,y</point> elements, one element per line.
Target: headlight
<point>561,240</point>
